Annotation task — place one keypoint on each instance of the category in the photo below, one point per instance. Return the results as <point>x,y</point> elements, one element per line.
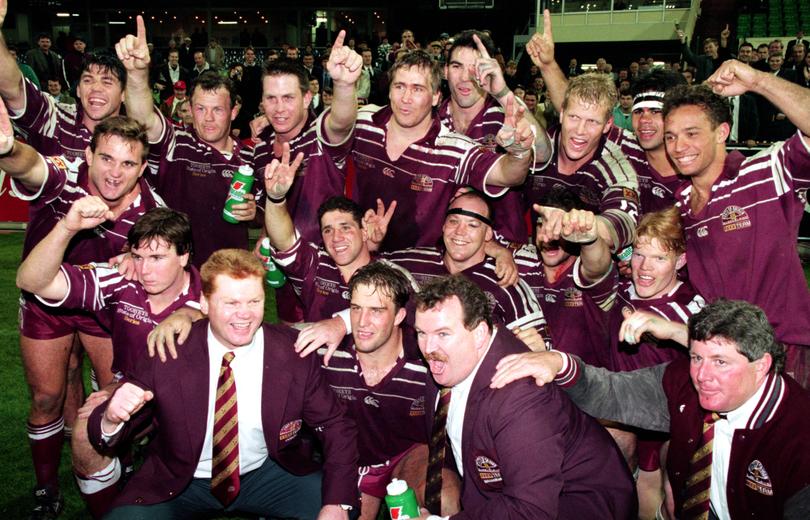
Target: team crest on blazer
<point>289,430</point>
<point>757,478</point>
<point>488,470</point>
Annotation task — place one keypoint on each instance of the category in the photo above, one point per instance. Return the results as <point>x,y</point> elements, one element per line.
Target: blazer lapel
<point>275,387</point>
<point>194,385</point>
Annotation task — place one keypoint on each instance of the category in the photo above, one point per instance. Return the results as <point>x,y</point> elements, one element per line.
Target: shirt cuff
<point>346,317</point>
<point>569,371</point>
<point>107,436</point>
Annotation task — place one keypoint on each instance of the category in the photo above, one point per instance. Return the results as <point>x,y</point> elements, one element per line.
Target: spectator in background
<point>745,53</point>
<point>633,72</point>
<point>169,74</point>
<point>292,53</point>
<point>803,74</point>
<point>689,75</point>
<point>179,95</point>
<point>215,55</point>
<point>714,53</point>
<point>623,113</point>
<point>27,71</point>
<point>182,115</point>
<point>774,124</point>
<point>45,62</point>
<point>799,39</point>
<point>775,47</point>
<point>796,59</point>
<point>510,74</point>
<point>200,65</point>
<point>55,90</point>
<point>73,61</point>
<point>186,54</point>
<point>573,68</point>
<point>316,105</point>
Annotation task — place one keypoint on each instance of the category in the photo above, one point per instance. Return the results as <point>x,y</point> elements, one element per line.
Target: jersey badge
<point>372,401</point>
<point>734,218</point>
<point>421,182</point>
<point>488,470</point>
<point>418,407</point>
<point>289,430</point>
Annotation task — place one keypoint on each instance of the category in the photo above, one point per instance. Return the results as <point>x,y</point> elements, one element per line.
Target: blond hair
<point>233,263</point>
<point>665,225</point>
<point>593,88</point>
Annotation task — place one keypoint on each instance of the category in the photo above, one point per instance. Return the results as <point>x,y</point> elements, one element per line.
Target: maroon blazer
<point>528,452</point>
<point>292,390</point>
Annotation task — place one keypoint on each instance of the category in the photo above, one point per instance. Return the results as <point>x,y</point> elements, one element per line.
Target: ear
<point>184,260</point>
<point>608,124</point>
<point>437,96</point>
<point>307,98</point>
<point>204,304</point>
<point>488,235</point>
<point>763,365</point>
<point>234,112</point>
<point>400,316</point>
<point>88,156</point>
<point>722,132</point>
<point>481,334</point>
<point>143,167</point>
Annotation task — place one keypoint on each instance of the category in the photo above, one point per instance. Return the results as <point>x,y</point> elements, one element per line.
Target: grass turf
<point>17,473</point>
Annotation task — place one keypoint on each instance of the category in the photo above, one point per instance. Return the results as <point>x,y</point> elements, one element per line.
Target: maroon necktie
<point>697,504</point>
<point>436,448</point>
<point>225,462</point>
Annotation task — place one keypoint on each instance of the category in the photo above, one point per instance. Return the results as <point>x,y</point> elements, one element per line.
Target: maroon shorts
<point>41,322</point>
<point>373,479</point>
<point>648,449</point>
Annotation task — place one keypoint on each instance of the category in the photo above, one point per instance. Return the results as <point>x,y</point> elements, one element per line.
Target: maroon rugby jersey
<point>422,180</point>
<point>678,305</point>
<point>390,416</point>
<point>742,244</point>
<point>575,314</point>
<point>607,186</point>
<point>512,306</point>
<point>194,178</point>
<point>316,279</point>
<point>655,191</point>
<point>66,182</point>
<point>122,306</point>
<point>509,223</point>
<point>51,128</point>
<point>322,174</point>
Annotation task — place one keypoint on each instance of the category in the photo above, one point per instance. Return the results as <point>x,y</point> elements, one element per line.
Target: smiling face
<point>464,90</point>
<point>648,125</point>
<point>465,237</point>
<point>158,267</point>
<point>655,270</point>
<point>213,114</point>
<point>412,97</point>
<point>344,239</point>
<point>100,93</point>
<point>114,168</point>
<point>374,318</point>
<point>451,350</point>
<point>724,378</point>
<point>692,144</point>
<point>235,309</point>
<point>284,104</point>
<point>583,125</point>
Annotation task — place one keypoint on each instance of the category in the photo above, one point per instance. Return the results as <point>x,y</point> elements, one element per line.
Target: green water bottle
<point>274,277</point>
<point>401,500</point>
<point>241,184</point>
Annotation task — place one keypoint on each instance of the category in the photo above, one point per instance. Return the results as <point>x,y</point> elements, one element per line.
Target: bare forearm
<point>11,79</point>
<point>343,114</point>
<point>556,84</point>
<point>790,98</point>
<point>542,146</point>
<point>25,165</point>
<point>279,226</point>
<point>140,105</point>
<point>39,273</point>
<point>510,170</point>
<point>595,259</point>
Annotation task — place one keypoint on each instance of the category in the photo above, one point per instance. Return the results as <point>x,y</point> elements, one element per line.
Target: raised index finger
<point>339,40</point>
<point>481,47</point>
<point>547,22</point>
<point>141,30</point>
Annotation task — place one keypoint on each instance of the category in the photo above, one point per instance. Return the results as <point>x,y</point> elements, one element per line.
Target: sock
<point>46,451</point>
<point>99,489</point>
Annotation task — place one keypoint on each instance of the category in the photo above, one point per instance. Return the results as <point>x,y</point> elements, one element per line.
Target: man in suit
<point>225,450</point>
<point>799,39</point>
<point>522,453</point>
<point>169,74</point>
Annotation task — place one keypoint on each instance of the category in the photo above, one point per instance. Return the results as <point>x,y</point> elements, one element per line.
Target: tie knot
<point>713,417</point>
<point>227,358</point>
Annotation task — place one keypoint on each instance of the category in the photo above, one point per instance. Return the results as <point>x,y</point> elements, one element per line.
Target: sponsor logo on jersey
<point>228,174</point>
<point>199,169</point>
<point>658,191</point>
<point>344,393</point>
<point>488,470</point>
<point>572,297</point>
<point>132,314</point>
<point>703,231</point>
<point>388,172</point>
<point>421,183</point>
<point>289,430</point>
<point>372,401</point>
<point>326,287</point>
<point>363,161</point>
<point>734,218</point>
<point>346,296</point>
<point>417,407</point>
<point>757,478</point>
<point>550,298</point>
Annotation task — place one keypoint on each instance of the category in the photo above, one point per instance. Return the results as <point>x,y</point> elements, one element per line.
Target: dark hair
<point>714,106</point>
<point>165,224</point>
<point>625,92</point>
<point>473,300</point>
<point>388,279</point>
<point>657,80</point>
<point>124,127</point>
<point>341,203</point>
<point>210,81</point>
<point>561,197</point>
<point>742,323</point>
<point>285,68</point>
<point>465,39</point>
<point>422,60</point>
<point>106,62</point>
<point>745,44</point>
<point>43,35</point>
<point>478,194</point>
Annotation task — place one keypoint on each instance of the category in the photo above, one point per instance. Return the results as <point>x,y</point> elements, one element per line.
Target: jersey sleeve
<point>790,164</point>
<point>57,170</point>
<point>90,287</point>
<point>619,205</point>
<point>602,292</point>
<point>338,152</point>
<point>298,261</point>
<point>39,118</point>
<point>474,168</point>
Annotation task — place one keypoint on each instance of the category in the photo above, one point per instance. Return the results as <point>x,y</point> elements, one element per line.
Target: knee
<point>46,404</point>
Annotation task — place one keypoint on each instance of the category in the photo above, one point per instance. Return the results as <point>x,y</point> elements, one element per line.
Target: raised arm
<point>39,273</point>
<point>734,78</point>
<point>278,179</point>
<point>345,67</point>
<point>541,51</point>
<point>134,54</point>
<point>17,159</point>
<point>517,137</point>
<point>11,89</point>
<point>579,227</point>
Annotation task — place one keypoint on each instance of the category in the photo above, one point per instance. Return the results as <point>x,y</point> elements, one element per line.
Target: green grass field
<point>17,473</point>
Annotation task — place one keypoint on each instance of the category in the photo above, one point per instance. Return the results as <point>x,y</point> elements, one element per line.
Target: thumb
<point>148,395</point>
<point>626,312</point>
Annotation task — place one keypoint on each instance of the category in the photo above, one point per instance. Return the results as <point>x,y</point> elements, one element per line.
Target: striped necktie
<point>225,463</point>
<point>436,448</point>
<point>697,504</point>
